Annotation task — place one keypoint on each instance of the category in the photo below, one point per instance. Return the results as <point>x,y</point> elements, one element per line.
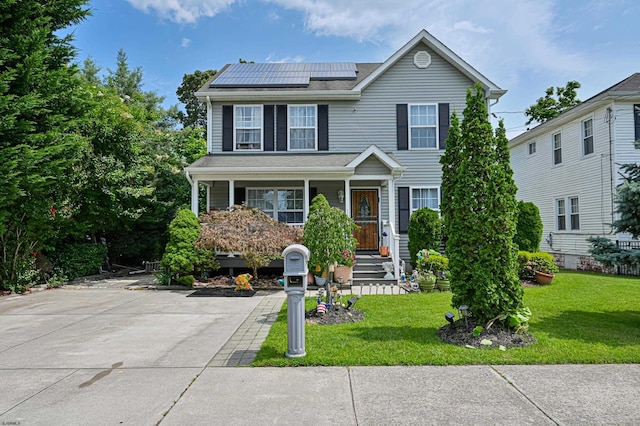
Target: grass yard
<point>582,318</point>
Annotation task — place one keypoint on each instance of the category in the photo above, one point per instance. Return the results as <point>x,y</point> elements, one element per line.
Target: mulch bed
<point>222,292</point>
<point>335,314</point>
<point>226,281</point>
<point>461,334</point>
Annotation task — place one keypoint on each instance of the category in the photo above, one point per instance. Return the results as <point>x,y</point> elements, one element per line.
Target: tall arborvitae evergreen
<point>39,110</point>
<point>479,212</point>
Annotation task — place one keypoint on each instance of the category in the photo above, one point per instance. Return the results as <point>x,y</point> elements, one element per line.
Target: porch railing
<point>393,240</point>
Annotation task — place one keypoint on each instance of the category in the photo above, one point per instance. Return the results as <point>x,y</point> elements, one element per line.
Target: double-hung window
<point>573,205</point>
<point>283,204</point>
<point>423,121</point>
<point>532,148</point>
<point>556,139</point>
<point>248,127</point>
<point>425,197</point>
<point>587,137</point>
<point>636,124</point>
<point>303,125</point>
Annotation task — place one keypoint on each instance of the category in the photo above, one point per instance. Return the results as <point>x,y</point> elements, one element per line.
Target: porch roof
<point>266,164</point>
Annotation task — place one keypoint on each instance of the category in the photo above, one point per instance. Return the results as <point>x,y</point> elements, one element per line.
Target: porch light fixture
<point>340,195</point>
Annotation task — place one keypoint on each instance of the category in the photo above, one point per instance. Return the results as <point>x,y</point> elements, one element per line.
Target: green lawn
<point>582,318</point>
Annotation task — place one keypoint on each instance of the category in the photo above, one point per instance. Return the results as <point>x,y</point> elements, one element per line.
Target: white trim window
<point>303,127</point>
<point>532,148</point>
<point>425,197</point>
<point>556,140</point>
<point>248,128</point>
<point>570,206</point>
<point>423,126</point>
<point>587,137</point>
<point>283,204</point>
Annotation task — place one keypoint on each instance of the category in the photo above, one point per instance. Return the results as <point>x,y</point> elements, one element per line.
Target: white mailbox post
<point>296,257</point>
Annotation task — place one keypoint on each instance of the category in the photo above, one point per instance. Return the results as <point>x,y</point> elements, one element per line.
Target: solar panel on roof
<point>283,74</point>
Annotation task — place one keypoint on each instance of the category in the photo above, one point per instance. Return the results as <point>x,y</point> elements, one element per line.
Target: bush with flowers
<point>348,258</point>
<point>243,282</point>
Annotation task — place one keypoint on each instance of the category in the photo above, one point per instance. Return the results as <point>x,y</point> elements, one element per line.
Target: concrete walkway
<point>102,355</point>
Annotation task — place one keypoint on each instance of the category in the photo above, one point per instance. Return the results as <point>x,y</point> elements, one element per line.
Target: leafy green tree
<point>549,107</point>
<point>480,214</point>
<point>90,71</point>
<point>424,232</point>
<point>528,227</point>
<point>196,111</point>
<point>40,105</point>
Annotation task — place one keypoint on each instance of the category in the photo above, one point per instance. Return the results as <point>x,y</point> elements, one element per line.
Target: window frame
<point>570,214</point>
<point>636,125</point>
<point>435,126</point>
<point>291,127</point>
<point>584,137</point>
<point>556,147</point>
<point>236,128</point>
<point>532,148</point>
<point>275,211</point>
<point>411,197</point>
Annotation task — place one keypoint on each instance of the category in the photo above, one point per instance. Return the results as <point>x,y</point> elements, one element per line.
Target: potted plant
<point>427,281</point>
<point>545,270</point>
<point>342,272</point>
<point>384,248</point>
<point>327,233</point>
<point>442,281</point>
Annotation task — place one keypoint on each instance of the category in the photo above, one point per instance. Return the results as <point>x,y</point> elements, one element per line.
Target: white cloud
<point>288,59</point>
<point>185,42</point>
<point>182,11</point>
<point>489,35</point>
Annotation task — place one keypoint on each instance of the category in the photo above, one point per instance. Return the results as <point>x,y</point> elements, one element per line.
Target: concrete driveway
<point>107,356</point>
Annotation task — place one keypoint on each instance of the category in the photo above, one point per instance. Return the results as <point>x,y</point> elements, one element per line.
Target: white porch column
<point>208,205</point>
<point>347,197</point>
<point>194,196</point>
<point>305,209</point>
<point>391,196</point>
<point>232,188</point>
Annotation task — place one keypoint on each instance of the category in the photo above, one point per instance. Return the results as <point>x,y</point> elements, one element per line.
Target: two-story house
<point>569,167</point>
<point>368,136</point>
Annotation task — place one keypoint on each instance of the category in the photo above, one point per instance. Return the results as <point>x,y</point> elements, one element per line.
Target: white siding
<point>586,177</point>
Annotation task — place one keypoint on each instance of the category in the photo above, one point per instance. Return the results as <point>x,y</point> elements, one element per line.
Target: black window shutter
<point>227,127</point>
<point>636,120</point>
<point>268,128</point>
<point>281,131</point>
<point>403,209</point>
<point>403,127</point>
<point>323,127</point>
<point>312,194</point>
<point>443,125</point>
<point>239,196</point>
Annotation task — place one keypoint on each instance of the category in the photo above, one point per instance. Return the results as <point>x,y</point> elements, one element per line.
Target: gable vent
<point>422,59</point>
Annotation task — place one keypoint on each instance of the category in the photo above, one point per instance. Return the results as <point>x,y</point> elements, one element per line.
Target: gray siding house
<point>368,136</point>
<point>569,168</point>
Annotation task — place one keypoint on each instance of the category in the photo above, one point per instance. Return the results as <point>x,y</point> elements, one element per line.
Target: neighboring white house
<point>368,136</point>
<point>569,168</point>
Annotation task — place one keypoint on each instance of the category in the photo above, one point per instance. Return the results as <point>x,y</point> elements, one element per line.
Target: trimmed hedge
<point>80,259</point>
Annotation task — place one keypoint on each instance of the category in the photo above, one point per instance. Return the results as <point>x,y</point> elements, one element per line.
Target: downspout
<point>611,163</point>
<point>186,173</point>
<point>209,125</point>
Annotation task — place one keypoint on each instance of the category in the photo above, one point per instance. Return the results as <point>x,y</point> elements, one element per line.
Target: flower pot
<point>384,251</point>
<point>427,282</point>
<point>544,278</point>
<point>343,272</point>
<point>320,281</point>
<point>443,285</point>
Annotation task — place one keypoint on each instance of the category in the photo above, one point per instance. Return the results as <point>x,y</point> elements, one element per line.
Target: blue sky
<point>523,46</point>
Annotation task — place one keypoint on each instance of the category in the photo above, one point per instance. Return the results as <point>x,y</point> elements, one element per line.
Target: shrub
<point>434,262</point>
<point>185,280</point>
<point>181,256</point>
<point>528,227</point>
<point>424,232</point>
<point>80,259</point>
<point>525,267</point>
<point>544,262</point>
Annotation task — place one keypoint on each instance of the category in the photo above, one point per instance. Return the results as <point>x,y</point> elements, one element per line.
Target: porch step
<point>368,270</point>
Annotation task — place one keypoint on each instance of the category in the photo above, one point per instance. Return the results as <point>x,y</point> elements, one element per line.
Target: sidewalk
<point>102,355</point>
